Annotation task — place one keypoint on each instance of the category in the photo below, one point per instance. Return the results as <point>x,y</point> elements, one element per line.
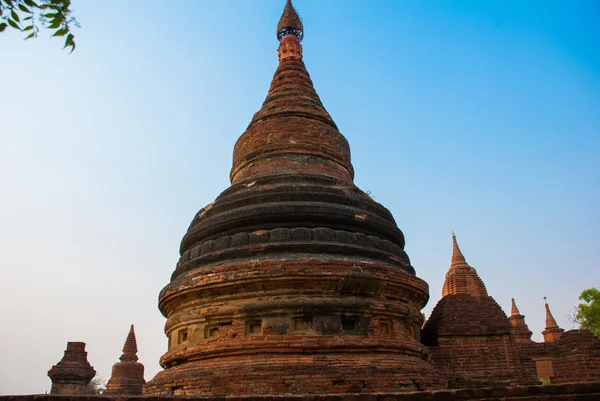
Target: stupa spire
<point>290,23</point>
<point>514,311</point>
<point>292,134</point>
<point>458,258</point>
<point>550,321</point>
<point>462,278</point>
<point>519,328</point>
<point>552,332</point>
<point>130,347</point>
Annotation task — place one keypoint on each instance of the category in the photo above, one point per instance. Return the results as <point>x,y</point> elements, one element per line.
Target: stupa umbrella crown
<point>290,23</point>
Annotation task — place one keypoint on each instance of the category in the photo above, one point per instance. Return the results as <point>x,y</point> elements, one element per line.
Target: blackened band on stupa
<point>293,281</point>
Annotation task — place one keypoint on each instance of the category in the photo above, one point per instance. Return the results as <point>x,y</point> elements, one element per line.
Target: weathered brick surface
<point>470,337</point>
<point>470,342</point>
<point>563,392</point>
<point>576,357</point>
<point>73,373</point>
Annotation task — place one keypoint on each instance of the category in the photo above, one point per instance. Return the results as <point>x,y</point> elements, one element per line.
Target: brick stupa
<point>293,281</point>
<point>470,336</point>
<point>519,328</point>
<point>552,332</point>
<point>73,373</point>
<point>128,374</point>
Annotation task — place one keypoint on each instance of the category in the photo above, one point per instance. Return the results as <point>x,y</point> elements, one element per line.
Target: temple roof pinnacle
<point>550,321</point>
<point>290,23</point>
<point>552,332</point>
<point>518,326</point>
<point>514,310</point>
<point>458,258</point>
<point>462,278</point>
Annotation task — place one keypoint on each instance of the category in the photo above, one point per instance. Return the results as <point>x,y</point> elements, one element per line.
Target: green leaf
<point>3,26</point>
<point>24,9</point>
<point>54,25</point>
<point>31,35</point>
<point>61,32</point>
<point>69,40</point>
<point>27,18</point>
<point>28,28</point>
<point>14,15</point>
<point>14,24</point>
<point>31,3</point>
<point>49,15</point>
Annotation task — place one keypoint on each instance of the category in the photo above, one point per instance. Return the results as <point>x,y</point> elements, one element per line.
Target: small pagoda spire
<point>519,328</point>
<point>290,23</point>
<point>552,332</point>
<point>458,258</point>
<point>462,278</point>
<point>127,376</point>
<point>514,311</point>
<point>550,321</point>
<point>130,347</point>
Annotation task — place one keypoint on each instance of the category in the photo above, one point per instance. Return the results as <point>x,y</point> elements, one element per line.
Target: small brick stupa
<point>552,332</point>
<point>470,336</point>
<point>293,281</point>
<point>519,328</point>
<point>73,374</point>
<point>128,375</point>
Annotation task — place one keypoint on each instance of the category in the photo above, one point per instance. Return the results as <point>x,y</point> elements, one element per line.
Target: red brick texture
<point>73,373</point>
<point>576,357</point>
<point>471,344</point>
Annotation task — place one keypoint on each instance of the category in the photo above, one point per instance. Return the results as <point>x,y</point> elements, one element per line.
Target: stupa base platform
<point>328,373</point>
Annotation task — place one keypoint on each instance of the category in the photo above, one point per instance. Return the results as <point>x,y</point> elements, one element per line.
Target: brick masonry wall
<point>476,361</point>
<point>471,344</point>
<point>576,357</point>
<point>561,392</point>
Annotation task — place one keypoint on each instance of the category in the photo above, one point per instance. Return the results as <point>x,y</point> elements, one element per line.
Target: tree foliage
<point>28,16</point>
<point>588,311</point>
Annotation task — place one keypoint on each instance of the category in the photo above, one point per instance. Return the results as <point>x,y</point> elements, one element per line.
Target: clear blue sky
<point>481,117</point>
